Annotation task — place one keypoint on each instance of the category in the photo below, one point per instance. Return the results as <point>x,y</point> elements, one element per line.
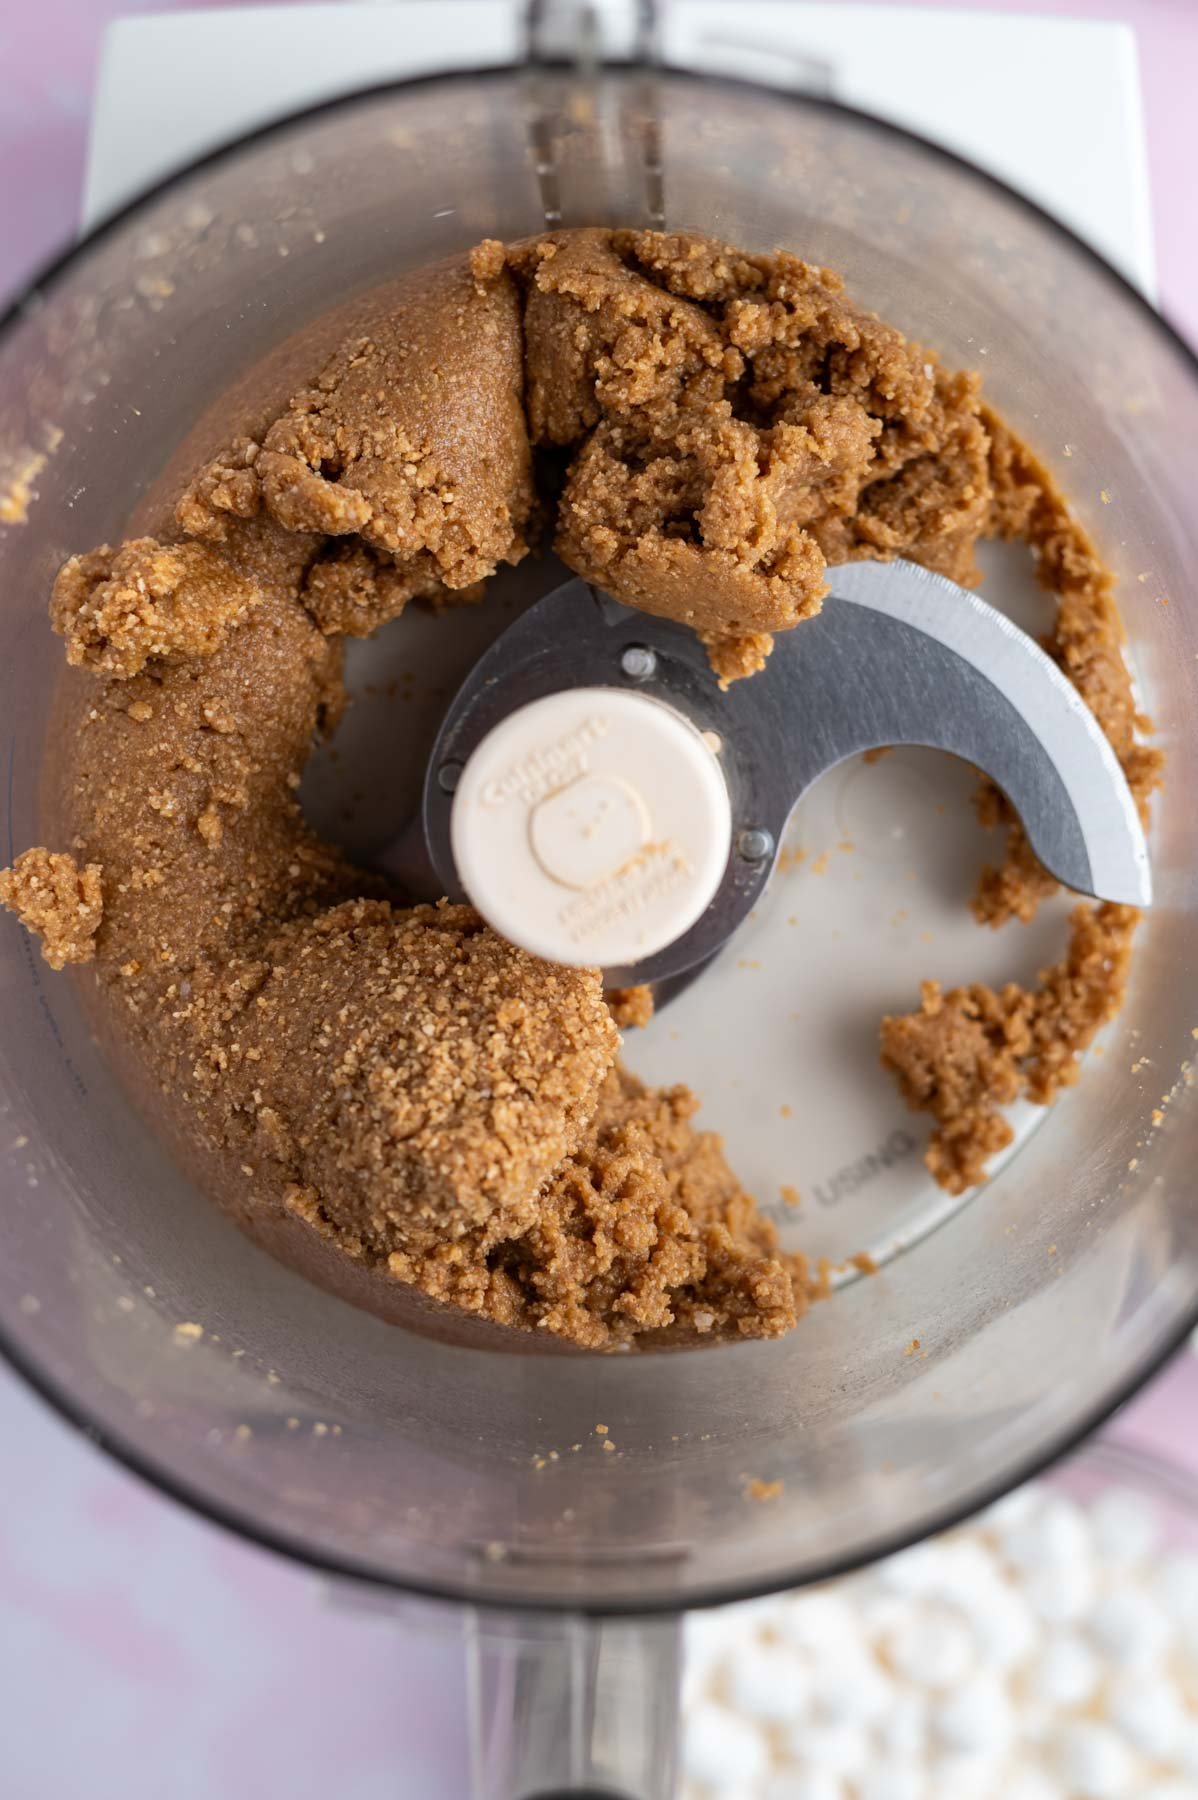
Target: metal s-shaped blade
<point>897,656</point>
<point>985,691</point>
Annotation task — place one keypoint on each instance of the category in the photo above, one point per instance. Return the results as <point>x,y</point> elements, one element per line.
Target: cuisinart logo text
<point>546,769</point>
<point>654,872</point>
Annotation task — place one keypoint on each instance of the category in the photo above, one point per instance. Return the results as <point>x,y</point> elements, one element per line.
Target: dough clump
<point>120,609</point>
<point>967,1053</point>
<point>727,414</point>
<point>61,902</point>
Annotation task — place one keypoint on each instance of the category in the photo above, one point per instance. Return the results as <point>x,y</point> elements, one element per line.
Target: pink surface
<point>188,1663</point>
<point>145,1655</point>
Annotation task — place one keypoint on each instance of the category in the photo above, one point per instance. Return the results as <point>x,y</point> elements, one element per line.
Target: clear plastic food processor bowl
<point>454,1470</point>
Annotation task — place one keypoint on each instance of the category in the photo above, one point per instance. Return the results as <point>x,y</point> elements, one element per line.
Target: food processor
<point>442,1466</point>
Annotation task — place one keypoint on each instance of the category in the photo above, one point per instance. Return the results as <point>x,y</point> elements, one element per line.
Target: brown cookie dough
<point>410,442</point>
<point>120,609</point>
<point>438,1108</point>
<point>1086,640</point>
<point>645,1230</point>
<point>424,1078</point>
<point>641,1232</point>
<point>735,658</point>
<point>967,1053</point>
<point>737,422</point>
<point>690,527</point>
<point>426,1104</point>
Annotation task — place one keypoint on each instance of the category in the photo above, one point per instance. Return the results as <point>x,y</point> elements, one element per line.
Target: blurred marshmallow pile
<point>1046,1651</point>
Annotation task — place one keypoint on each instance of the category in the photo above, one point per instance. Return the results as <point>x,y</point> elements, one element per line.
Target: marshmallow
<point>965,1778</point>
<point>975,1719</point>
<point>716,1632</point>
<point>1003,1625</point>
<point>694,1683</point>
<point>1130,1627</point>
<point>769,1683</point>
<point>817,1620</point>
<point>764,1613</point>
<point>1038,1722</point>
<point>722,1751</point>
<point>1126,1527</point>
<point>1060,1593</point>
<point>1185,1751</point>
<point>946,1568</point>
<point>1044,1653</point>
<point>1176,1586</point>
<point>1066,1672</point>
<point>1055,1534</point>
<point>1014,1509</point>
<point>911,1571</point>
<point>903,1731</point>
<point>701,1791</point>
<point>932,1649</point>
<point>705,1650</point>
<point>850,1689</point>
<point>961,1568</point>
<point>841,1750</point>
<point>1150,1714</point>
<point>1094,1763</point>
<point>892,1781</point>
<point>881,1612</point>
<point>804,1784</point>
<point>1025,1781</point>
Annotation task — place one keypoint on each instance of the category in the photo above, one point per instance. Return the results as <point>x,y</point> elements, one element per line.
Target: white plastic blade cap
<point>592,826</point>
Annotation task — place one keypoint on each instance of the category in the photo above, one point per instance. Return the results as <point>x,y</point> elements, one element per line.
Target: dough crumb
<point>59,901</point>
<point>736,658</point>
<point>488,259</point>
<point>18,472</point>
<point>759,1490</point>
<point>630,1007</point>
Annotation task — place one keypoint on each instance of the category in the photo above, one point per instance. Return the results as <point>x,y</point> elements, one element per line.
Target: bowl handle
<point>562,1705</point>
